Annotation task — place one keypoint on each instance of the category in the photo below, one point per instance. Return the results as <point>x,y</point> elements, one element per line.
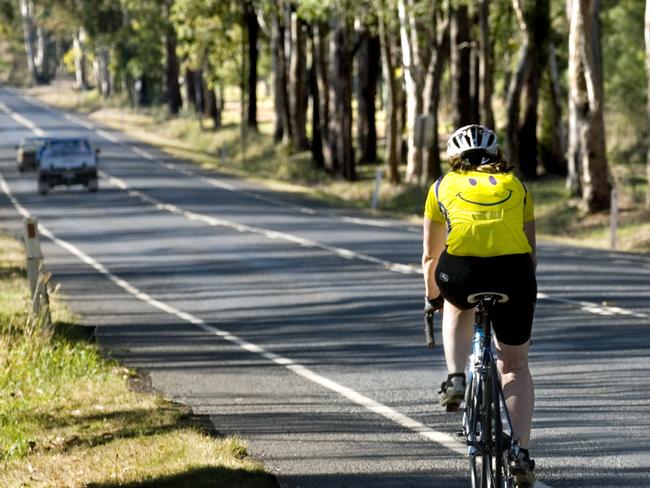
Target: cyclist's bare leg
<point>517,388</point>
<point>457,333</point>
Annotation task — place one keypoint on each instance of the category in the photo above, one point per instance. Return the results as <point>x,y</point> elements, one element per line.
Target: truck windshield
<point>77,147</point>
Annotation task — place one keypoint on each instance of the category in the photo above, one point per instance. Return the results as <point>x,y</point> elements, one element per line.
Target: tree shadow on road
<point>200,477</point>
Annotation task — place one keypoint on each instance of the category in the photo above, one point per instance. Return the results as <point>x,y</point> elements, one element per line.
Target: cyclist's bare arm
<point>433,244</point>
<point>529,230</point>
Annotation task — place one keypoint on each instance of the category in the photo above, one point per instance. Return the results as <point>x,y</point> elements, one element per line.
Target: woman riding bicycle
<point>479,236</point>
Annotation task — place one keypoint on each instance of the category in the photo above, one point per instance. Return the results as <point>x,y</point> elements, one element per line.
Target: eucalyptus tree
<point>439,57</point>
<point>588,168</point>
<point>27,14</point>
<point>647,62</point>
<point>298,82</point>
<point>485,83</point>
<point>391,88</point>
<point>282,129</point>
<point>524,10</point>
<point>216,58</point>
<point>368,71</point>
<point>337,43</point>
<point>252,30</point>
<point>460,66</point>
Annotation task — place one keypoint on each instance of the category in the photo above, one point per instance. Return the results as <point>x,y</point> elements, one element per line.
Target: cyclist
<point>479,235</point>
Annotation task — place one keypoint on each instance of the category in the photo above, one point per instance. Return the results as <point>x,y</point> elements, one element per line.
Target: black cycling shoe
<point>522,469</point>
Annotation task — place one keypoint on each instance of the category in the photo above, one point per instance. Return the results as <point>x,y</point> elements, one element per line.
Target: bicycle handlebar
<point>428,329</point>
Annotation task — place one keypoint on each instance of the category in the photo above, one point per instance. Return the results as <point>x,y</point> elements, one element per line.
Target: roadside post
<point>36,278</point>
<point>379,174</point>
<point>613,218</point>
<point>32,252</point>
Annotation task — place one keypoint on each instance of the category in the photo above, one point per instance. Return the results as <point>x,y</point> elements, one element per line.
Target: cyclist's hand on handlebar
<point>432,305</point>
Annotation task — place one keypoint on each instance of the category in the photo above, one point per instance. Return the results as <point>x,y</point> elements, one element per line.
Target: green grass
<point>69,418</point>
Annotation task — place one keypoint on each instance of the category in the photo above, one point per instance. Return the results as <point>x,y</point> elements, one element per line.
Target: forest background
<point>370,83</point>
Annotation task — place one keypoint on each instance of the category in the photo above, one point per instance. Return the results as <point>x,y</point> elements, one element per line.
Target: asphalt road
<point>298,326</point>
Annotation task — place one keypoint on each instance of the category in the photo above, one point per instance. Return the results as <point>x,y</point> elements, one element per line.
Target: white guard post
<point>32,251</point>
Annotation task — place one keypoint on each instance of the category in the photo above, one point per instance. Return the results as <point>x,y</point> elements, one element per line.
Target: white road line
<point>372,405</point>
<point>142,153</point>
<point>595,308</point>
<point>22,120</point>
<point>80,122</point>
<point>108,135</point>
<point>271,234</point>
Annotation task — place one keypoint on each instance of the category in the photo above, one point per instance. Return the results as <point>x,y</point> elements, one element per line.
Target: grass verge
<point>254,155</point>
<point>68,417</point>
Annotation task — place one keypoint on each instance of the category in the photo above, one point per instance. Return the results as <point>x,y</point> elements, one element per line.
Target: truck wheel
<point>93,184</point>
<point>43,187</point>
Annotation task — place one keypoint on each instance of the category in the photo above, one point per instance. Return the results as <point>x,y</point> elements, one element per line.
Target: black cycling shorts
<point>513,274</point>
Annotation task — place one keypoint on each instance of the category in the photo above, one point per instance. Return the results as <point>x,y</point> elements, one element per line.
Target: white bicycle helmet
<point>472,139</point>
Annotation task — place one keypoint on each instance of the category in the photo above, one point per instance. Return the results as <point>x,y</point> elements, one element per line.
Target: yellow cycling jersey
<point>484,212</point>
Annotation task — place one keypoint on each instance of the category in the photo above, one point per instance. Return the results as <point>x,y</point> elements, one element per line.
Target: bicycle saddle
<point>488,296</point>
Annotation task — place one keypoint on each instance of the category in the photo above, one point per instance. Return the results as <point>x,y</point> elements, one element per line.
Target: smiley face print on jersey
<point>482,192</point>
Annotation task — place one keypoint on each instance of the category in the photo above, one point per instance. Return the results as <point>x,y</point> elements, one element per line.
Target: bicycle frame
<point>486,422</point>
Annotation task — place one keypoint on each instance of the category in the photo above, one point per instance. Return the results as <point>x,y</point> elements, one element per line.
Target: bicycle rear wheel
<point>500,441</point>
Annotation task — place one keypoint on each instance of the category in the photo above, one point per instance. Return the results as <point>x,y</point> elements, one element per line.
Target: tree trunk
<point>485,67</point>
<point>647,63</point>
<point>513,98</point>
<point>460,66</point>
<point>368,75</point>
<point>40,57</point>
<point>321,64</point>
<point>440,55</point>
<point>391,103</point>
<point>27,12</point>
<point>81,78</point>
<point>341,84</point>
<point>212,108</point>
<point>173,92</point>
<point>585,67</point>
<point>283,130</point>
<point>554,156</point>
<point>577,104</point>
<point>190,87</point>
<point>103,75</point>
<point>541,24</point>
<point>199,92</point>
<point>298,83</point>
<point>252,29</point>
<point>277,77</point>
<point>316,141</point>
<point>414,86</point>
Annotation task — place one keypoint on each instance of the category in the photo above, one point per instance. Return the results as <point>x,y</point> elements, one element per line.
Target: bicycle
<point>487,428</point>
<point>486,422</point>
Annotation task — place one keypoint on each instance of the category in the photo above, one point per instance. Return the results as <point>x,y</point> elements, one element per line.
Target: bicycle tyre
<point>500,449</point>
<point>476,405</point>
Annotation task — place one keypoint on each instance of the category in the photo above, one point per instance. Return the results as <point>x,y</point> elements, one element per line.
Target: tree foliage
<point>128,42</point>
